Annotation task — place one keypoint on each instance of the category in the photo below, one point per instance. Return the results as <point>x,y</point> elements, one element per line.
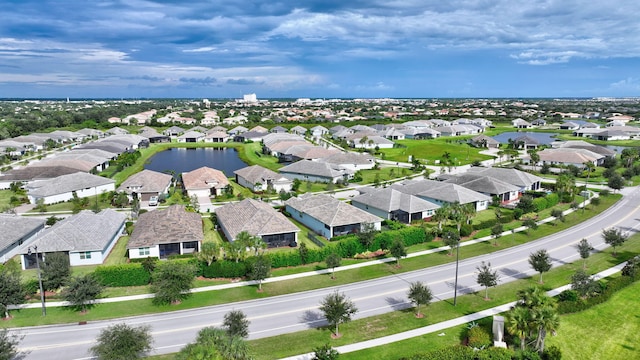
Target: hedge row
<point>122,275</point>
<point>460,352</point>
<point>570,303</point>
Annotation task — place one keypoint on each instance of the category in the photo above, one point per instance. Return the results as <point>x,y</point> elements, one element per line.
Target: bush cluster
<point>571,303</point>
<point>460,352</point>
<point>132,274</point>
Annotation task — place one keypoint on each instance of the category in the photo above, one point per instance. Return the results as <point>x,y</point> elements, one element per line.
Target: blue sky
<point>330,48</point>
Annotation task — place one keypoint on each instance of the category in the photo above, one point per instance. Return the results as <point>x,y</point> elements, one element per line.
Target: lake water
<point>543,138</point>
<point>184,160</point>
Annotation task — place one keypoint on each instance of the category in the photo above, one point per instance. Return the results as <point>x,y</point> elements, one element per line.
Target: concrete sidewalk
<point>443,325</point>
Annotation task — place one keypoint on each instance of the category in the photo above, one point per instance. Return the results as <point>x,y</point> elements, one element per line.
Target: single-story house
<point>191,137</point>
<point>389,203</point>
<point>216,136</point>
<point>487,185</point>
<point>278,130</point>
<point>522,179</point>
<point>86,237</point>
<point>441,193</point>
<point>145,184</point>
<point>258,178</point>
<point>484,141</point>
<point>350,160</point>
<point>299,130</point>
<point>526,142</point>
<point>17,230</point>
<point>521,124</point>
<point>237,130</point>
<point>62,188</point>
<point>161,233</point>
<point>316,171</point>
<point>174,131</point>
<point>251,135</point>
<point>569,125</point>
<point>319,131</point>
<point>204,181</point>
<point>29,174</point>
<point>258,219</point>
<point>371,142</point>
<point>328,216</point>
<point>570,156</point>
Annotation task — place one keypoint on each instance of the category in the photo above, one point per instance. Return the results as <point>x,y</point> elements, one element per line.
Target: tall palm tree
<point>518,324</point>
<point>440,216</point>
<point>546,320</point>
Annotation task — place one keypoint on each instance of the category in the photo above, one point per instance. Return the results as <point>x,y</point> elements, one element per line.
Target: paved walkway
<point>442,325</point>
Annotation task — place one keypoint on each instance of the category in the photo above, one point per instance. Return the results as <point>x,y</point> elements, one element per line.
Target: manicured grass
<point>609,331</point>
<point>251,153</point>
<point>434,149</point>
<point>118,254</point>
<point>383,174</point>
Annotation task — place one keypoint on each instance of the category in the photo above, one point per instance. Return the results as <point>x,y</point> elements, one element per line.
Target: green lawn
<point>118,254</point>
<point>609,331</point>
<point>434,149</point>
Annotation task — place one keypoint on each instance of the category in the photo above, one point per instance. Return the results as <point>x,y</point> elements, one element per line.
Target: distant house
<point>487,185</point>
<point>329,217</point>
<point>318,131</point>
<point>313,171</point>
<point>350,160</point>
<point>146,184</point>
<point>570,156</point>
<point>204,181</point>
<point>370,142</point>
<point>521,124</point>
<point>526,142</point>
<point>161,233</point>
<point>191,137</point>
<point>569,125</point>
<point>392,204</point>
<point>30,174</point>
<point>299,130</point>
<point>258,219</point>
<point>237,130</point>
<point>63,188</point>
<point>278,130</point>
<point>174,131</point>
<point>484,141</point>
<point>17,230</point>
<point>255,136</point>
<point>258,178</point>
<point>216,137</point>
<point>524,180</point>
<point>86,237</point>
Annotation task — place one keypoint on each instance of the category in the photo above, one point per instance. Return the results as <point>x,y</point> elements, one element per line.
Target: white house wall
<point>96,259</point>
<point>154,252</point>
<point>311,178</point>
<point>83,193</point>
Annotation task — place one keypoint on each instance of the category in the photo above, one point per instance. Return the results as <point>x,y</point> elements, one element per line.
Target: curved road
<point>299,311</point>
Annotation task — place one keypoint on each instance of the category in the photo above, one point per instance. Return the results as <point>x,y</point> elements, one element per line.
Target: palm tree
<point>440,216</point>
<point>518,324</point>
<point>546,320</point>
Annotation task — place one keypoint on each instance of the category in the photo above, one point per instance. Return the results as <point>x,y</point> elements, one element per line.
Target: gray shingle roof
<point>349,158</point>
<point>67,183</point>
<point>315,168</point>
<point>255,217</point>
<point>439,191</point>
<point>85,231</point>
<point>146,181</point>
<point>483,184</point>
<point>257,174</point>
<point>31,173</point>
<point>330,211</point>
<point>390,199</point>
<point>16,227</point>
<point>171,225</point>
<point>511,176</point>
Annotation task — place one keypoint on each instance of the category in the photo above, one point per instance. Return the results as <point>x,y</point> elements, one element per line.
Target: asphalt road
<point>298,311</point>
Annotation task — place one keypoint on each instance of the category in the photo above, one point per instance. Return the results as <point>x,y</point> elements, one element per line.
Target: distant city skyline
<point>319,49</point>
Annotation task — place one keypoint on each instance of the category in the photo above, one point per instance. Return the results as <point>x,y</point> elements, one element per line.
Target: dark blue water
<point>182,160</point>
<point>543,138</point>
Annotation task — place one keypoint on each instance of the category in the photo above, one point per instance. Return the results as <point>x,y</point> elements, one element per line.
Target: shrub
<point>393,224</point>
<point>225,269</point>
<point>540,204</point>
<point>568,295</point>
<point>552,199</point>
<point>31,286</point>
<point>552,353</point>
<point>457,352</point>
<point>517,214</point>
<point>466,230</point>
<point>478,337</point>
<point>526,355</point>
<point>494,353</point>
<point>486,224</point>
<point>122,275</point>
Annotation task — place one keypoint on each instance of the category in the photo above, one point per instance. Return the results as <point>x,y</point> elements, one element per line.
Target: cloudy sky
<point>319,48</point>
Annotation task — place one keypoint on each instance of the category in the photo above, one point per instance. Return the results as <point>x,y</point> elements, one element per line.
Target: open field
<point>433,149</point>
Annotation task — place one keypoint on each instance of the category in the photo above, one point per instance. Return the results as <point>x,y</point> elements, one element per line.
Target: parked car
<point>153,201</point>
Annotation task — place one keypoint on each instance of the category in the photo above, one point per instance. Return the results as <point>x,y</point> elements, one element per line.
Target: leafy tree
<point>209,252</point>
<point>56,271</point>
<point>304,252</point>
<point>236,250</point>
<point>526,204</point>
<point>260,268</point>
<point>11,291</point>
<point>337,309</point>
<point>584,249</point>
<point>333,261</point>
<point>486,277</point>
<point>614,238</point>
<point>419,294</point>
<point>461,214</point>
<point>367,234</point>
<point>325,352</point>
<point>496,232</point>
<point>450,239</point>
<point>9,345</point>
<point>540,262</point>
<point>81,291</point>
<point>398,250</point>
<point>529,224</point>
<point>171,282</point>
<point>149,264</point>
<point>123,342</point>
<point>632,267</point>
<point>616,182</point>
<point>583,284</point>
<point>236,324</point>
<point>558,214</point>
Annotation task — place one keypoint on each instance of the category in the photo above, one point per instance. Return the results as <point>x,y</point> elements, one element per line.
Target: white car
<point>153,201</point>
